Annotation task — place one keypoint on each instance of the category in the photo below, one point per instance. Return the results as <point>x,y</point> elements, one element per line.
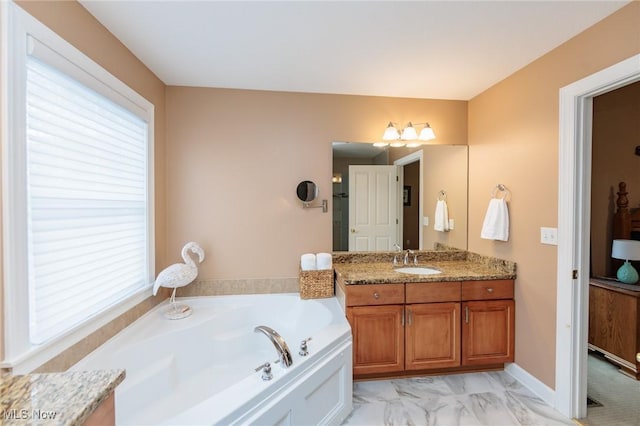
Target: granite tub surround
<point>68,398</point>
<point>455,265</point>
<point>239,286</point>
<point>493,398</point>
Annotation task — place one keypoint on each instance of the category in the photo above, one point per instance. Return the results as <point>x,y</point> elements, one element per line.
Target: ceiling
<point>416,49</point>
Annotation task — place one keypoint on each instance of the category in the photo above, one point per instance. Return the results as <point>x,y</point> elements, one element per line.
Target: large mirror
<point>386,197</point>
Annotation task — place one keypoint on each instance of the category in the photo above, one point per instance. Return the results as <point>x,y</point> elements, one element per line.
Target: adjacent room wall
<point>513,140</point>
<point>236,157</point>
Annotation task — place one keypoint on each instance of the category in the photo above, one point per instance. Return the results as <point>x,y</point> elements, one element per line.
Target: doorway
<point>411,207</point>
<point>574,189</point>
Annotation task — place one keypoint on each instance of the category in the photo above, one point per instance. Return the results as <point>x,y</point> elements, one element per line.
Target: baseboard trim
<point>547,394</point>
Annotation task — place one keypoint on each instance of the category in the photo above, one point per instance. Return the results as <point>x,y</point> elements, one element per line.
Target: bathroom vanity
<point>460,319</point>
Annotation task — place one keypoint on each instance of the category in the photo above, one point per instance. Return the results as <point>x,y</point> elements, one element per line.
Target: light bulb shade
<point>409,133</point>
<point>397,144</point>
<point>626,249</point>
<point>427,134</point>
<point>391,133</point>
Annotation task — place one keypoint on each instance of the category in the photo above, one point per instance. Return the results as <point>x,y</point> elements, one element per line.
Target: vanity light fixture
<point>409,134</point>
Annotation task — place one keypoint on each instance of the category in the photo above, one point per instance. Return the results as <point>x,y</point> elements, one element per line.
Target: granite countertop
<point>66,398</point>
<point>455,265</point>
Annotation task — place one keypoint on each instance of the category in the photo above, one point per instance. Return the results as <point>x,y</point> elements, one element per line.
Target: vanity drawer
<point>433,292</point>
<point>487,290</point>
<point>375,294</point>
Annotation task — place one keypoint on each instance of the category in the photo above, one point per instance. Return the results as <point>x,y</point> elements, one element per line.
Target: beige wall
<point>513,139</point>
<point>616,133</point>
<point>236,157</point>
<point>72,22</point>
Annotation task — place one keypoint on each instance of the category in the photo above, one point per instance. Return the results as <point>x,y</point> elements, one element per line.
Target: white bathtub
<point>200,370</point>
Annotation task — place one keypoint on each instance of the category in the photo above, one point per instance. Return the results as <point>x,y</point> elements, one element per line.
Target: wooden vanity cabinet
<point>488,326</point>
<point>376,315</point>
<point>432,336</point>
<point>399,328</point>
<point>432,331</point>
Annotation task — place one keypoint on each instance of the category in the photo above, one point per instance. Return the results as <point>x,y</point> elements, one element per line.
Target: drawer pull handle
<point>466,314</point>
<point>490,290</point>
<point>376,295</point>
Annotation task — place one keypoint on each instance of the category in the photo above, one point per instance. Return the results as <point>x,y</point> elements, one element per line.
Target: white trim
<point>574,193</point>
<point>408,159</point>
<point>547,394</point>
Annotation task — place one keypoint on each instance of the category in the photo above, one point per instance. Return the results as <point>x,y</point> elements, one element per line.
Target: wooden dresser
<point>614,323</point>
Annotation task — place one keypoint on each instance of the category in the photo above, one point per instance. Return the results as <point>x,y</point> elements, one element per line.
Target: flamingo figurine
<point>179,275</point>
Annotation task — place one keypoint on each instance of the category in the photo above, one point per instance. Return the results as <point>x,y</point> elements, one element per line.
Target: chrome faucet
<point>278,342</point>
<point>406,257</point>
<point>398,251</point>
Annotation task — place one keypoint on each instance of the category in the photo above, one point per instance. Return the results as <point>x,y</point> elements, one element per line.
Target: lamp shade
<point>409,133</point>
<point>391,133</point>
<point>626,249</point>
<point>427,134</point>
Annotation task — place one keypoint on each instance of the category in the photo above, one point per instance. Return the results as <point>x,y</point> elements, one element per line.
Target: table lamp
<point>626,250</point>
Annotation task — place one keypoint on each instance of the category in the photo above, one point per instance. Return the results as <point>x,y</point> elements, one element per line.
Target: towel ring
<point>500,188</point>
<point>442,195</point>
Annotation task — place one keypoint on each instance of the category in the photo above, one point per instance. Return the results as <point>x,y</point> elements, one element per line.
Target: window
<point>79,205</point>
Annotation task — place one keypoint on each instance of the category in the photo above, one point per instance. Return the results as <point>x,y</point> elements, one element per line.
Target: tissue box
<point>316,284</point>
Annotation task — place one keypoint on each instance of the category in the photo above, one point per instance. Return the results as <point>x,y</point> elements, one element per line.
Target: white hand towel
<point>496,221</point>
<point>308,262</point>
<point>441,217</point>
<point>323,261</point>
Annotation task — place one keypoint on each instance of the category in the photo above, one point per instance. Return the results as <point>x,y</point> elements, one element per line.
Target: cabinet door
<point>432,336</point>
<point>378,338</point>
<point>488,332</point>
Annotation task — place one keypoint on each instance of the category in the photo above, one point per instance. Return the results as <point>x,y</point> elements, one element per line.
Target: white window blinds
<point>87,202</point>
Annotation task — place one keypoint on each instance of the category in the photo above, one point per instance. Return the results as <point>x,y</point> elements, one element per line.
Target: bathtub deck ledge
<point>66,398</point>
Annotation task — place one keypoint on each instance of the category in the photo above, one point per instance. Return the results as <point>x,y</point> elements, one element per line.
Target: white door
<point>373,208</point>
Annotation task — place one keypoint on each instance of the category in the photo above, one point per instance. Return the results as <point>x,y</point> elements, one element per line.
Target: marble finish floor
<point>493,398</point>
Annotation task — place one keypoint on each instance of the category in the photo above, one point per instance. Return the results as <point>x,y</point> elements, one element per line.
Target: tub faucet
<point>278,342</point>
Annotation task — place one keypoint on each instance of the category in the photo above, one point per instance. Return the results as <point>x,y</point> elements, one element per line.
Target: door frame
<point>401,162</point>
<point>574,221</point>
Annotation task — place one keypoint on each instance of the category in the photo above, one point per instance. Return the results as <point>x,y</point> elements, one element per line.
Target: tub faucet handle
<point>304,350</point>
<point>266,371</point>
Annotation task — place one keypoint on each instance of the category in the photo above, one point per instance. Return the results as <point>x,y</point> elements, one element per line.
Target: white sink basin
<point>418,270</point>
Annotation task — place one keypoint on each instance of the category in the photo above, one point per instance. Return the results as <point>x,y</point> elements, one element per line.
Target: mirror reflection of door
<point>410,211</point>
<point>373,213</point>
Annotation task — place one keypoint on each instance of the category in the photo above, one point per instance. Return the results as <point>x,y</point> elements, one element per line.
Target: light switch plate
<point>451,223</point>
<point>549,236</point>
<point>425,221</point>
